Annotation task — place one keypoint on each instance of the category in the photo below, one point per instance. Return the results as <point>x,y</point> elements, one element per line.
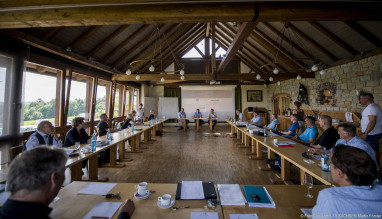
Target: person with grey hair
<point>34,180</point>
<point>45,135</point>
<point>272,125</point>
<point>371,122</point>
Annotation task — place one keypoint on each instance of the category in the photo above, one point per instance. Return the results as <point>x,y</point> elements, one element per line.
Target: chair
<point>277,127</point>
<point>14,151</point>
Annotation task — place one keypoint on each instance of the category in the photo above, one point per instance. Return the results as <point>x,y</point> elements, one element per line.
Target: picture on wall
<point>255,96</point>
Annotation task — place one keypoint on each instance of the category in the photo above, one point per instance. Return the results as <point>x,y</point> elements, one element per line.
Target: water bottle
<point>234,121</point>
<point>132,128</point>
<point>94,141</point>
<point>108,136</point>
<point>325,161</point>
<point>265,132</point>
<point>247,125</point>
<point>152,122</point>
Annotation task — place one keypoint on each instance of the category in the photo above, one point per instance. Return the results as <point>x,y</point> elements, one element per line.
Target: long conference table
<point>117,144</point>
<point>197,126</point>
<point>288,199</point>
<point>289,155</point>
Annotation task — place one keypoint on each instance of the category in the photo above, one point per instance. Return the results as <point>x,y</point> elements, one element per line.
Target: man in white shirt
<point>241,116</point>
<point>371,122</point>
<point>182,115</point>
<point>140,113</point>
<point>45,135</point>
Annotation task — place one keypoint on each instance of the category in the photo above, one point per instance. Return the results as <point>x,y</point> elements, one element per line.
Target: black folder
<point>208,188</point>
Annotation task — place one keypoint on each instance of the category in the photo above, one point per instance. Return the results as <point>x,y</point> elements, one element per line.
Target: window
<point>193,52</point>
<point>117,103</point>
<point>103,88</point>
<point>135,99</point>
<point>6,67</point>
<point>40,95</point>
<point>79,97</point>
<point>127,101</point>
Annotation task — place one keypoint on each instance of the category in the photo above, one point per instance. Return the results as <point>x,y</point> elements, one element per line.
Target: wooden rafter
<point>144,47</point>
<point>270,59</point>
<point>181,30</point>
<point>334,38</point>
<point>73,45</point>
<point>208,29</point>
<point>19,15</point>
<point>365,33</point>
<point>242,34</point>
<point>123,44</point>
<point>293,44</point>
<point>106,41</point>
<point>312,42</point>
<point>51,33</point>
<point>283,50</point>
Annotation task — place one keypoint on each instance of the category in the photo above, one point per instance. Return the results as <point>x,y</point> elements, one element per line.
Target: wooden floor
<point>191,155</point>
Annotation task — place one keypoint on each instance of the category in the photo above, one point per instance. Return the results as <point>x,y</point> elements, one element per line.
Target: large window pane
<point>39,96</point>
<point>116,103</point>
<point>6,65</point>
<point>127,101</point>
<point>101,104</point>
<point>78,97</point>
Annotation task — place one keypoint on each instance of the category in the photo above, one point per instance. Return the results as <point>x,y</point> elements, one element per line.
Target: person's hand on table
<point>128,207</point>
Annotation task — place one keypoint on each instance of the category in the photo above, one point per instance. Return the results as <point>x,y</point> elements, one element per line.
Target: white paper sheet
<point>287,142</point>
<point>103,209</point>
<point>95,188</point>
<point>204,215</point>
<point>349,117</point>
<point>123,131</point>
<point>69,151</point>
<point>230,194</point>
<point>307,212</point>
<point>192,190</point>
<point>243,216</point>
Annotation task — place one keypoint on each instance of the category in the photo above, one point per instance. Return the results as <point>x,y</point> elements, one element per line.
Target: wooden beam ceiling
<point>73,45</point>
<point>55,13</point>
<point>241,36</point>
<point>365,33</point>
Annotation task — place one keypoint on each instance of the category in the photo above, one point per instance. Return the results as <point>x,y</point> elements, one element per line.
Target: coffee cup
<point>142,188</point>
<point>165,199</point>
<point>275,141</point>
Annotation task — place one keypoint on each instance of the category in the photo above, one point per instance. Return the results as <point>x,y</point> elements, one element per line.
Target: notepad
<point>265,199</point>
<point>307,211</point>
<point>204,215</point>
<point>103,210</point>
<point>95,188</point>
<point>192,190</point>
<point>230,194</point>
<point>68,151</point>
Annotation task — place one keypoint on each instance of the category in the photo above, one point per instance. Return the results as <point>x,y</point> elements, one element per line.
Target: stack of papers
<point>103,210</point>
<point>243,216</point>
<point>265,200</point>
<point>95,188</point>
<point>204,215</point>
<point>192,190</point>
<point>230,194</point>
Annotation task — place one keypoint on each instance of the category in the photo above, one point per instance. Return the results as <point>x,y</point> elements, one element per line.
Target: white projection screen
<point>220,98</point>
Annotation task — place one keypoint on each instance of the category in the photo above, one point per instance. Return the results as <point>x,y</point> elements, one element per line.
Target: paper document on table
<point>230,194</point>
<point>243,216</point>
<point>103,210</point>
<point>287,142</point>
<point>95,188</point>
<point>192,190</point>
<point>69,151</point>
<point>307,212</point>
<point>204,215</point>
<point>272,134</point>
<point>123,131</point>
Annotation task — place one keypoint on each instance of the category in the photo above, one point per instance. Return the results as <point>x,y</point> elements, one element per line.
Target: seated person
<point>241,117</point>
<point>212,117</point>
<point>256,120</point>
<point>198,114</point>
<point>291,131</point>
<point>77,133</point>
<point>34,179</point>
<point>45,135</point>
<point>182,115</point>
<point>152,115</point>
<point>347,132</point>
<point>272,125</point>
<point>359,192</point>
<point>329,136</point>
<point>129,121</point>
<point>310,133</point>
<point>103,126</point>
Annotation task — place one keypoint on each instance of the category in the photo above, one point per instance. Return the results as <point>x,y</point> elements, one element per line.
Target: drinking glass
<point>308,182</point>
<point>77,145</point>
<point>310,153</point>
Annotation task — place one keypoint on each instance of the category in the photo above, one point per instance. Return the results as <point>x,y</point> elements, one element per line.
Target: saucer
<point>172,202</point>
<point>140,197</point>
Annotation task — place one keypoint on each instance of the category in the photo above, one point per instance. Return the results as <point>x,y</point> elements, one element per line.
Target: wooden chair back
<point>14,151</point>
